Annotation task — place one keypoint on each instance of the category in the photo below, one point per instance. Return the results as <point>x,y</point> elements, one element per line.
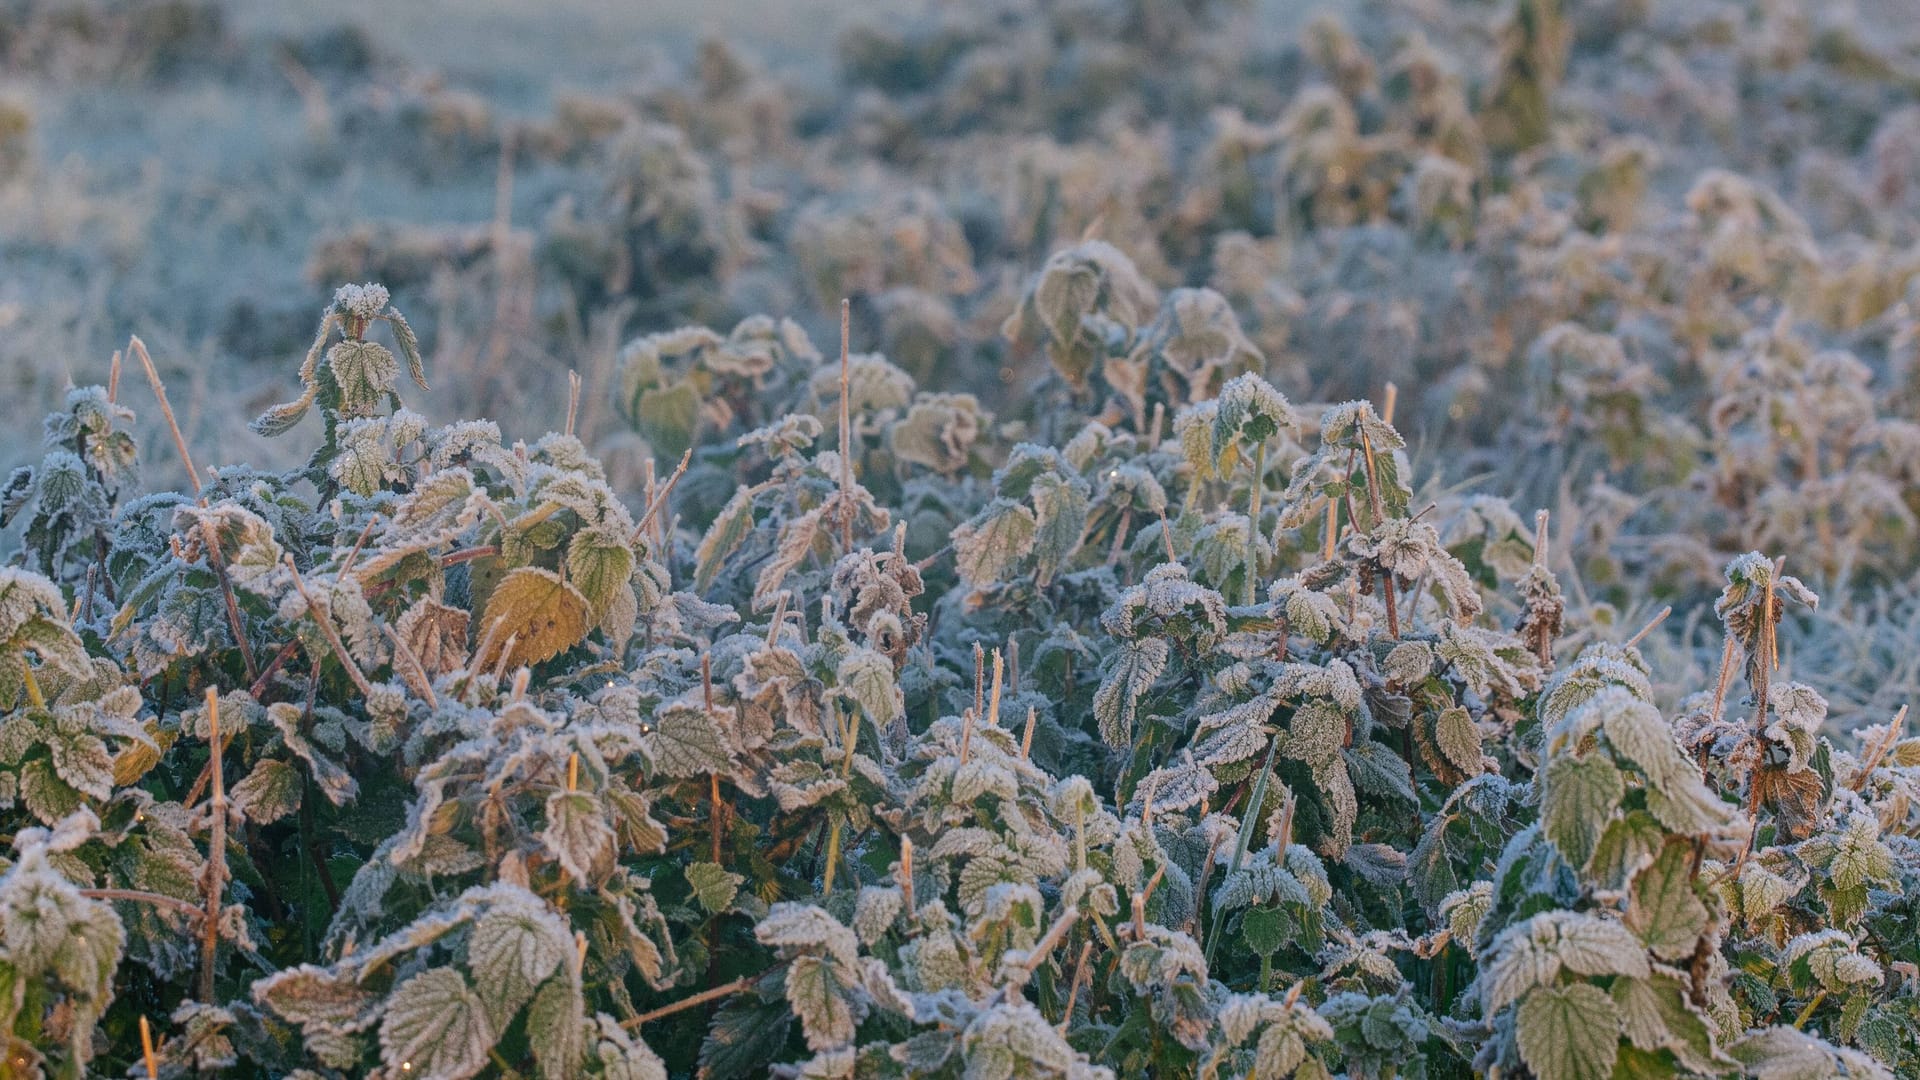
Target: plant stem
<point>216,853</point>
<point>1252,590</point>
<point>139,349</point>
<point>34,697</point>
<point>1247,822</point>
<point>700,998</point>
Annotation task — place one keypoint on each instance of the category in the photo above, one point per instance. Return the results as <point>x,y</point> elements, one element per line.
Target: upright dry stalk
<point>715,816</point>
<point>993,707</point>
<point>906,871</point>
<point>1333,530</point>
<point>1388,587</point>
<point>573,399</point>
<point>1766,660</point>
<point>139,349</point>
<point>146,1050</point>
<point>1879,750</point>
<point>1648,629</point>
<point>1026,740</point>
<point>213,882</point>
<point>420,683</point>
<point>846,436</point>
<point>659,498</point>
<point>979,678</point>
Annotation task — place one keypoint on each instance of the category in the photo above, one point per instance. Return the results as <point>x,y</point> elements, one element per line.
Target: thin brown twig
<point>142,896</point>
<point>700,998</point>
<point>1879,749</point>
<point>1073,988</point>
<point>325,621</point>
<point>660,498</point>
<point>219,563</point>
<point>353,553</point>
<point>1648,629</point>
<point>280,658</point>
<point>405,652</point>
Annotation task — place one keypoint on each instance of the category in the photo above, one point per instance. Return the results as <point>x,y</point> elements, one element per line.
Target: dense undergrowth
<point>1062,689</point>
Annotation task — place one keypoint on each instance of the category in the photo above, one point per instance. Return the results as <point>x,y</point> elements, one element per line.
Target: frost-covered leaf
<point>270,792</point>
<point>713,885</point>
<point>1135,668</point>
<point>578,835</point>
<point>531,616</point>
<point>867,676</point>
<point>1569,1033</point>
<point>513,948</point>
<point>988,546</point>
<point>820,999</point>
<point>1580,797</point>
<point>435,1027</point>
<point>1665,909</point>
<point>599,562</point>
<point>686,741</point>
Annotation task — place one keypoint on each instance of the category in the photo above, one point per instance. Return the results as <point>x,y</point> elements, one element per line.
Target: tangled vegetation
<point>1157,719</point>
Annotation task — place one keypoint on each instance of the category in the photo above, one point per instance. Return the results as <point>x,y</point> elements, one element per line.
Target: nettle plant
<point>879,743</point>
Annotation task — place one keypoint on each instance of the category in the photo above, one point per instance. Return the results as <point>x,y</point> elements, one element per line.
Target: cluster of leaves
<point>1143,724</point>
<point>1655,261</point>
<point>929,751</point>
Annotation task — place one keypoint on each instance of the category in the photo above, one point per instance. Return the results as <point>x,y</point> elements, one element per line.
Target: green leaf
<point>599,564</point>
<point>435,1027</point>
<point>1060,512</point>
<point>1569,1032</point>
<point>364,371</point>
<point>669,417</point>
<point>512,949</point>
<point>818,997</point>
<point>1265,930</point>
<point>1657,1014</point>
<point>868,677</point>
<point>685,742</point>
<point>554,1029</point>
<point>270,792</point>
<point>1135,667</point>
<point>1665,909</point>
<point>1459,739</point>
<point>1580,797</point>
<point>729,530</point>
<point>988,546</point>
<point>713,885</point>
<point>578,835</point>
<point>1627,845</point>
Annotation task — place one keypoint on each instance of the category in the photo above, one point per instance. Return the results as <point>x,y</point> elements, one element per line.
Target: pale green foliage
<point>1070,705</point>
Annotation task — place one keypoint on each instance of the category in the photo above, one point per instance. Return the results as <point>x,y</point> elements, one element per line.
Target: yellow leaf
<point>541,615</point>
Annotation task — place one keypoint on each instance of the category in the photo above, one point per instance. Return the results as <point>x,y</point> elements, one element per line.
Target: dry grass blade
<point>139,349</point>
